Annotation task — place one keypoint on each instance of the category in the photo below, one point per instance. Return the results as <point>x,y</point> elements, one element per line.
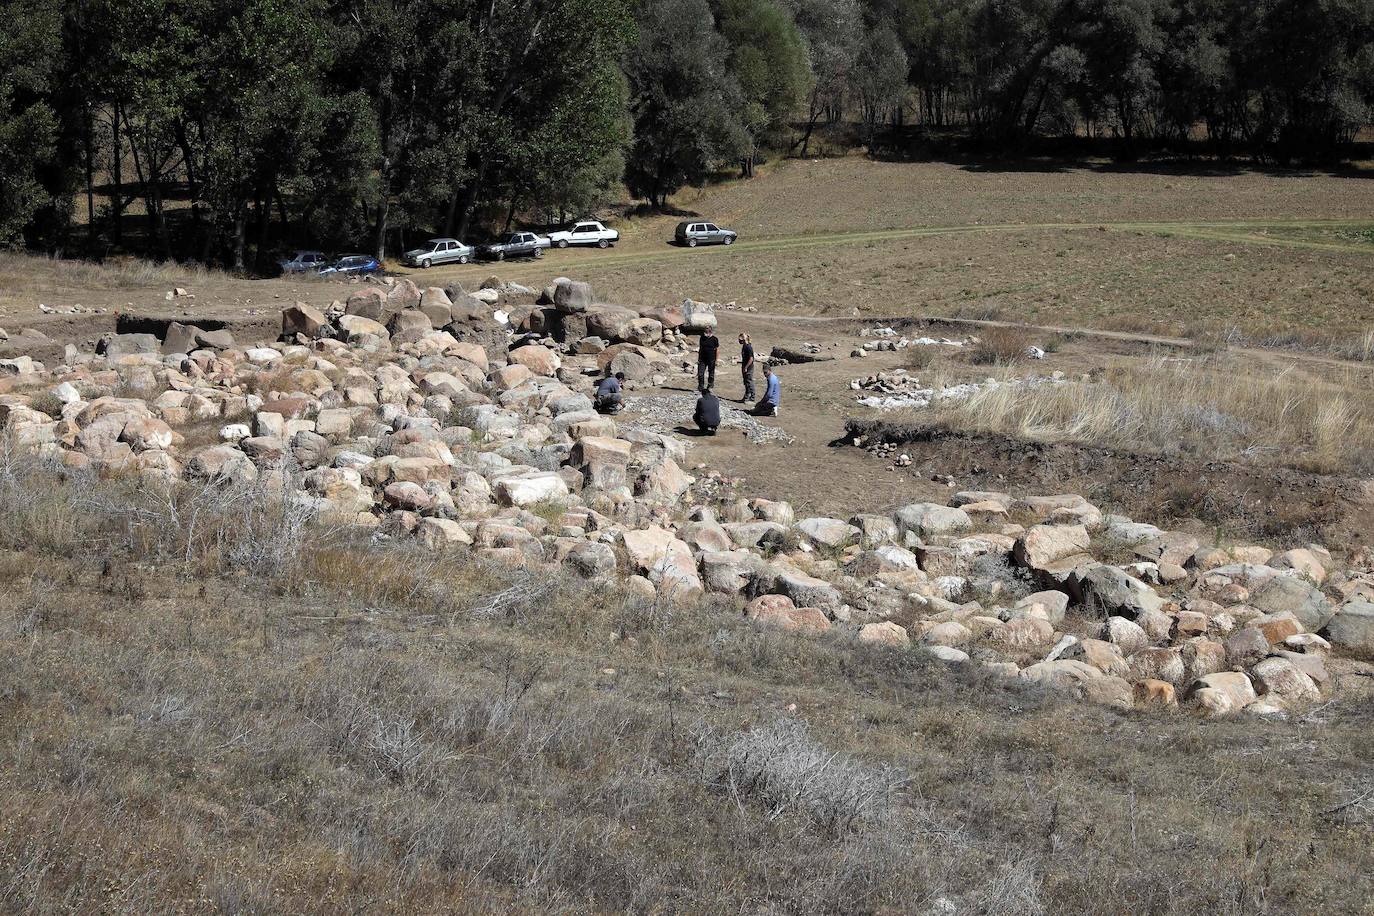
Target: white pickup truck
<point>588,232</point>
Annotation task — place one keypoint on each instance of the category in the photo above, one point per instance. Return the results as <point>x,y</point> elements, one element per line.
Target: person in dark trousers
<point>608,393</point>
<point>746,365</point>
<point>707,415</point>
<point>706,359</point>
<point>772,394</point>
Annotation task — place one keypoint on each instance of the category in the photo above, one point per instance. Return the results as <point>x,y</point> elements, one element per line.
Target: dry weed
<point>1201,408</point>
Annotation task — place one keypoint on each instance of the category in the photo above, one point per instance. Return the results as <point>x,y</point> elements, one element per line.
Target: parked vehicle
<point>694,234</point>
<point>303,262</point>
<point>587,232</point>
<point>353,265</point>
<point>519,245</point>
<point>439,251</point>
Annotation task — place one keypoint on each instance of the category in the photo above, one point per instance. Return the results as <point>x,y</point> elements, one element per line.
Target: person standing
<point>746,364</point>
<point>707,352</point>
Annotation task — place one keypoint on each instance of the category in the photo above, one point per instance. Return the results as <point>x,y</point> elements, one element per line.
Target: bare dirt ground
<point>821,473</point>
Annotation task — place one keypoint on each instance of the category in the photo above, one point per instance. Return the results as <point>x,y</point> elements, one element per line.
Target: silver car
<point>702,233</point>
<point>439,251</point>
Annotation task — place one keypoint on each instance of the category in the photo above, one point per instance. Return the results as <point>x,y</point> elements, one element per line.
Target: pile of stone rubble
<point>417,414</point>
<point>888,340</point>
<point>897,389</point>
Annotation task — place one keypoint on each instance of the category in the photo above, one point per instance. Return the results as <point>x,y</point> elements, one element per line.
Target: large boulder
<point>1110,592</point>
<point>539,360</point>
<point>1352,627</point>
<point>666,560</point>
<point>729,572</point>
<point>1223,692</point>
<point>1043,545</point>
<point>638,363</point>
<point>697,316</point>
<point>931,519</point>
<point>526,490</point>
<point>1295,594</point>
<point>1278,679</point>
<point>885,633</point>
<point>779,611</point>
<point>662,481</point>
<point>572,295</point>
<point>114,346</point>
<point>304,319</point>
<point>611,322</point>
<point>828,532</point>
<point>805,590</point>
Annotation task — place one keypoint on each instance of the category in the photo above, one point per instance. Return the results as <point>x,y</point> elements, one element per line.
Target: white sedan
<point>590,232</point>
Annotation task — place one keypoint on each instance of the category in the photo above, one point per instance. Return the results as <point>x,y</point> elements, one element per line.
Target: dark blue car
<point>353,265</point>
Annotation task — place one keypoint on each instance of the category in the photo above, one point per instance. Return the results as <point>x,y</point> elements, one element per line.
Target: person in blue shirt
<point>772,394</point>
<point>608,398</point>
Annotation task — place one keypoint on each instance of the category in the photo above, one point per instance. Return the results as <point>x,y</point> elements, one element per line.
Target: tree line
<point>235,126</point>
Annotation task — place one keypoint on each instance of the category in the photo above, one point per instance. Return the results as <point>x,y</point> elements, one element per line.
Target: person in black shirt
<point>707,415</point>
<point>707,352</point>
<point>746,363</point>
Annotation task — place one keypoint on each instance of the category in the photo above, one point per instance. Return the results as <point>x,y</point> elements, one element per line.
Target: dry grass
<point>999,347</point>
<point>1194,407</point>
<point>359,732</point>
<point>23,272</point>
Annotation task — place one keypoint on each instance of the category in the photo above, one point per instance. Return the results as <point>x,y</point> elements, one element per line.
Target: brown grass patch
<point>1195,407</point>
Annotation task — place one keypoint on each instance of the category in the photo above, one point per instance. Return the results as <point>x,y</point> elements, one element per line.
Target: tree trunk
<point>264,227</point>
<point>383,211</point>
<point>470,197</point>
<point>239,231</point>
<point>90,176</point>
<point>452,213</point>
<point>116,177</point>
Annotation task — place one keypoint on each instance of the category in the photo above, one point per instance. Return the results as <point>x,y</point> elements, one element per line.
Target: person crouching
<point>707,414</point>
<point>608,397</point>
<point>772,394</point>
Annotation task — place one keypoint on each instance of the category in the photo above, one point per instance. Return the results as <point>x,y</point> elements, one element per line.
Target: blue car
<point>353,265</point>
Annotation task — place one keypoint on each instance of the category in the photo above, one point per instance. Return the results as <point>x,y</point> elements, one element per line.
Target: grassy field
<point>1277,259</point>
<point>267,719</point>
<point>1274,259</point>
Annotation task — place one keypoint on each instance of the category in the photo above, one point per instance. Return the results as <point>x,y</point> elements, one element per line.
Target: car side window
<point>711,227</point>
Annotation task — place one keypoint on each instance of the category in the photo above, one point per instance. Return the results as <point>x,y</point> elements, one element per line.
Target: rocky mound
<point>433,415</point>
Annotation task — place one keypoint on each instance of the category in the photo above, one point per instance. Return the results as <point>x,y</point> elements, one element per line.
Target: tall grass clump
<point>1205,409</point>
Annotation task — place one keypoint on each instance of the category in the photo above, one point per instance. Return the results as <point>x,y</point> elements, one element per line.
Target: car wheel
<point>500,255</point>
<point>691,243</point>
<point>462,259</point>
<point>562,243</point>
<point>538,252</point>
<point>603,244</point>
<point>425,264</point>
<point>729,240</point>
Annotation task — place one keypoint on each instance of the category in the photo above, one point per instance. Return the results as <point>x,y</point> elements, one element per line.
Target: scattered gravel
<point>663,412</point>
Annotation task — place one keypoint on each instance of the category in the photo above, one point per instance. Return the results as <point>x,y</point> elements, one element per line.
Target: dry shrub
<point>256,527</point>
<point>999,347</point>
<point>919,357</point>
<point>38,273</point>
<point>1202,408</point>
<point>782,767</point>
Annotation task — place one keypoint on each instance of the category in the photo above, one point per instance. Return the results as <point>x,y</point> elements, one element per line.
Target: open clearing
<point>369,726</point>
